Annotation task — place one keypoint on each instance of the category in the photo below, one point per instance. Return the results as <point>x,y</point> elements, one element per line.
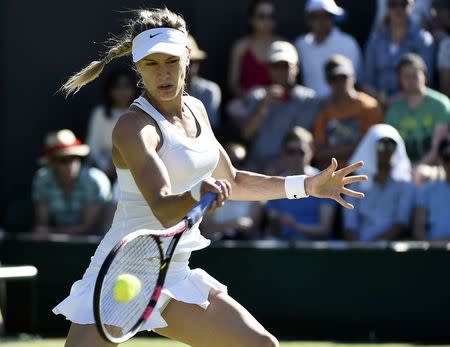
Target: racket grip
<point>194,215</point>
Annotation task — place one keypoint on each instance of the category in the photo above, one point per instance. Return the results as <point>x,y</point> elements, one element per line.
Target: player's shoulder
<point>197,104</point>
<point>133,124</point>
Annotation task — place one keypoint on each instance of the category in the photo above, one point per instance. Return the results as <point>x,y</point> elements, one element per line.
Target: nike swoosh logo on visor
<point>152,36</point>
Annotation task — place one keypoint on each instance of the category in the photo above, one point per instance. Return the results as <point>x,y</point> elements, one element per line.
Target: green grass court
<point>142,342</point>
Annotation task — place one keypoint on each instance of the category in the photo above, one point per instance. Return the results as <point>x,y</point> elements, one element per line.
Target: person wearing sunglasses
<point>388,44</point>
<point>305,220</point>
<point>68,196</point>
<point>386,211</point>
<point>346,114</point>
<point>431,216</point>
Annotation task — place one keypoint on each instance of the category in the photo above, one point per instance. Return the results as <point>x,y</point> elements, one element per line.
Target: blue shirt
<point>92,187</point>
<point>381,59</point>
<point>305,211</point>
<point>299,109</point>
<point>381,208</point>
<point>208,92</point>
<point>435,197</point>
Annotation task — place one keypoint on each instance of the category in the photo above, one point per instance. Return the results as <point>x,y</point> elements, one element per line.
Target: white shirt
<point>99,135</point>
<point>313,57</point>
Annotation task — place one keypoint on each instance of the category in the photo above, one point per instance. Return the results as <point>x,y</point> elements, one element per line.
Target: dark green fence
<point>318,290</point>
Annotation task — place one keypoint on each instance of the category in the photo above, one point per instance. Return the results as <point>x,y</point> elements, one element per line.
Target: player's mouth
<point>165,87</point>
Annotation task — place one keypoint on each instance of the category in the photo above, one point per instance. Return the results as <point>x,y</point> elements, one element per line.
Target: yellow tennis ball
<point>126,288</point>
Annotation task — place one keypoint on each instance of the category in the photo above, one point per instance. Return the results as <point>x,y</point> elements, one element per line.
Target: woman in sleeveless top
<point>248,67</point>
<point>166,158</point>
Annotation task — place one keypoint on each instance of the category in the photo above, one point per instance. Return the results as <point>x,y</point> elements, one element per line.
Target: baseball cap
<point>324,5</point>
<point>282,51</point>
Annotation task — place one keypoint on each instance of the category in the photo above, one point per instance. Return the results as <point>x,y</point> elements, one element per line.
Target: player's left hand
<point>330,183</point>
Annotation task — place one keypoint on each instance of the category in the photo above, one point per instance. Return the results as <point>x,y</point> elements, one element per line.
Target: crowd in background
<point>295,105</point>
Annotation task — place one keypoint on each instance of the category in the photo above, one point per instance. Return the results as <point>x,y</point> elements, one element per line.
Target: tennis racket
<point>132,276</point>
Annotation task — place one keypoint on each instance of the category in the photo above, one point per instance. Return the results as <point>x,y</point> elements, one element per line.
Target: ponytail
<point>94,69</point>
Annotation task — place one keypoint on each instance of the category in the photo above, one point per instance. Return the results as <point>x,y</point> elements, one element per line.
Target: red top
<point>253,72</point>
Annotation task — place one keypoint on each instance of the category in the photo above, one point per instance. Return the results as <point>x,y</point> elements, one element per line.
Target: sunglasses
<point>267,15</point>
<point>446,158</point>
<point>294,151</point>
<point>65,160</point>
<point>397,4</point>
<point>386,146</point>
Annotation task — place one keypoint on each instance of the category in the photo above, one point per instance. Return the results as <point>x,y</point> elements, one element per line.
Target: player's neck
<point>171,108</point>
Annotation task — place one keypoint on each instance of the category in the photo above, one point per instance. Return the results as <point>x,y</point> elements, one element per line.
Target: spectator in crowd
<point>272,111</point>
<point>421,13</point>
<point>386,47</point>
<point>324,41</point>
<point>440,24</point>
<point>207,91</point>
<point>346,114</point>
<point>236,220</point>
<point>119,92</point>
<point>431,216</point>
<point>443,59</point>
<point>389,195</point>
<point>302,219</point>
<point>67,195</point>
<point>248,68</point>
<point>421,113</point>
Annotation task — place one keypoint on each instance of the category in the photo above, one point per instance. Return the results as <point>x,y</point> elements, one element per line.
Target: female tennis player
<point>166,158</point>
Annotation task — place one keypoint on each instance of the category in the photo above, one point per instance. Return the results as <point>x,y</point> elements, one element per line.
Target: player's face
<point>320,22</point>
<point>163,75</point>
<point>412,79</point>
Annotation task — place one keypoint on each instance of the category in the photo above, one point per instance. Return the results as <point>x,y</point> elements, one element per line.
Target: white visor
<point>159,40</point>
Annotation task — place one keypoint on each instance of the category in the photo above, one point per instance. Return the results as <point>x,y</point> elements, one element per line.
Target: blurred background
<point>287,86</point>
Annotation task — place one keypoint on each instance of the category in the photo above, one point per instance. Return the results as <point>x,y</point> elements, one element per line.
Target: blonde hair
<point>298,133</point>
<point>144,19</point>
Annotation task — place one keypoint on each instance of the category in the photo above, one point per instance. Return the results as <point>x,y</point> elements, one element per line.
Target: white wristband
<point>195,191</point>
<point>295,187</point>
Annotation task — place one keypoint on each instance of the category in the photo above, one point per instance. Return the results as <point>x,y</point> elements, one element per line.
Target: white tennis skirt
<point>191,286</point>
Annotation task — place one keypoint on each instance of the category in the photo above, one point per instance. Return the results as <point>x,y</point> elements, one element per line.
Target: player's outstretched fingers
<point>349,169</point>
<point>352,193</point>
<point>344,203</point>
<point>354,179</point>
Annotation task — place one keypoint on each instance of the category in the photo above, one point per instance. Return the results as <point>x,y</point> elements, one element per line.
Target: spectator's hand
<point>274,94</point>
<point>330,183</point>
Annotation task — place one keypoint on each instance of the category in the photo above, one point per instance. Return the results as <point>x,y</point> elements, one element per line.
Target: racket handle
<point>194,215</point>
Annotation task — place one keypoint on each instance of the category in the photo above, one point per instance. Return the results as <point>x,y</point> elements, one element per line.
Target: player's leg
<point>224,323</point>
<point>82,335</point>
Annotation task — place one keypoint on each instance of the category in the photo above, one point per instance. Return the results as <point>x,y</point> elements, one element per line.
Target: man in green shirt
<point>421,113</point>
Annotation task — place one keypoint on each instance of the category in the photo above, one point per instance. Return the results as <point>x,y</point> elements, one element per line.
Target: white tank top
<point>188,160</point>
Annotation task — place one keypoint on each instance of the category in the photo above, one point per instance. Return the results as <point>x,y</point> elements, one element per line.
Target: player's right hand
<point>220,187</point>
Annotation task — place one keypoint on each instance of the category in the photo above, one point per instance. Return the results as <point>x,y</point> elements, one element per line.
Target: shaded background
<point>43,42</point>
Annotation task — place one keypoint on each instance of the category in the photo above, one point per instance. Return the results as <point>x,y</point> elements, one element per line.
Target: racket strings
<point>140,258</point>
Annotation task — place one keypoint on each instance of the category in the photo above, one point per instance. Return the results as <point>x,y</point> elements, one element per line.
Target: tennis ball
<point>126,288</point>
